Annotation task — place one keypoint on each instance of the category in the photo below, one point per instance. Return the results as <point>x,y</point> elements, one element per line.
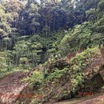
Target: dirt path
<point>10,87</point>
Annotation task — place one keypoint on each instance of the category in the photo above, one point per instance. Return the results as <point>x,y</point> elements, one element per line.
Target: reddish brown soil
<point>94,99</point>
<point>10,87</point>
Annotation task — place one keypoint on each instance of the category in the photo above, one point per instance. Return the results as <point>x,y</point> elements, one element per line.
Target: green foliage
<point>36,79</point>
<point>29,51</point>
<point>77,38</point>
<point>91,15</point>
<point>33,33</point>
<point>57,74</point>
<point>77,82</point>
<point>82,37</point>
<point>23,60</point>
<point>5,63</point>
<point>5,19</point>
<point>101,5</point>
<point>79,63</point>
<point>64,44</point>
<point>99,26</point>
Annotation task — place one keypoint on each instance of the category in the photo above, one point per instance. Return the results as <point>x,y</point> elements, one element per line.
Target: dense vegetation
<point>31,31</point>
<point>62,79</point>
<point>56,41</point>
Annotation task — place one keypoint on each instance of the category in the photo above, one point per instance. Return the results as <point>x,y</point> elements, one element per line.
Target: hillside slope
<point>11,86</point>
<point>62,83</point>
<point>66,77</point>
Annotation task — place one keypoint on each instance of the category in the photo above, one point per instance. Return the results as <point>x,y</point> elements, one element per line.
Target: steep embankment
<point>10,87</point>
<point>66,77</point>
<point>78,72</point>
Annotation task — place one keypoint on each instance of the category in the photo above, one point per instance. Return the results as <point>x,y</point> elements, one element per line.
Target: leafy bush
<point>101,5</point>
<point>79,63</point>
<point>57,74</point>
<point>36,79</point>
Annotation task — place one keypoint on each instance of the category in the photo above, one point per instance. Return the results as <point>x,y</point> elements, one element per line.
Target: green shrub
<point>57,74</point>
<point>79,63</point>
<point>101,5</point>
<point>36,79</point>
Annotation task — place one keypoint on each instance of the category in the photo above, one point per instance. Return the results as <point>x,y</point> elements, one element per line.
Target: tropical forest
<point>51,51</point>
